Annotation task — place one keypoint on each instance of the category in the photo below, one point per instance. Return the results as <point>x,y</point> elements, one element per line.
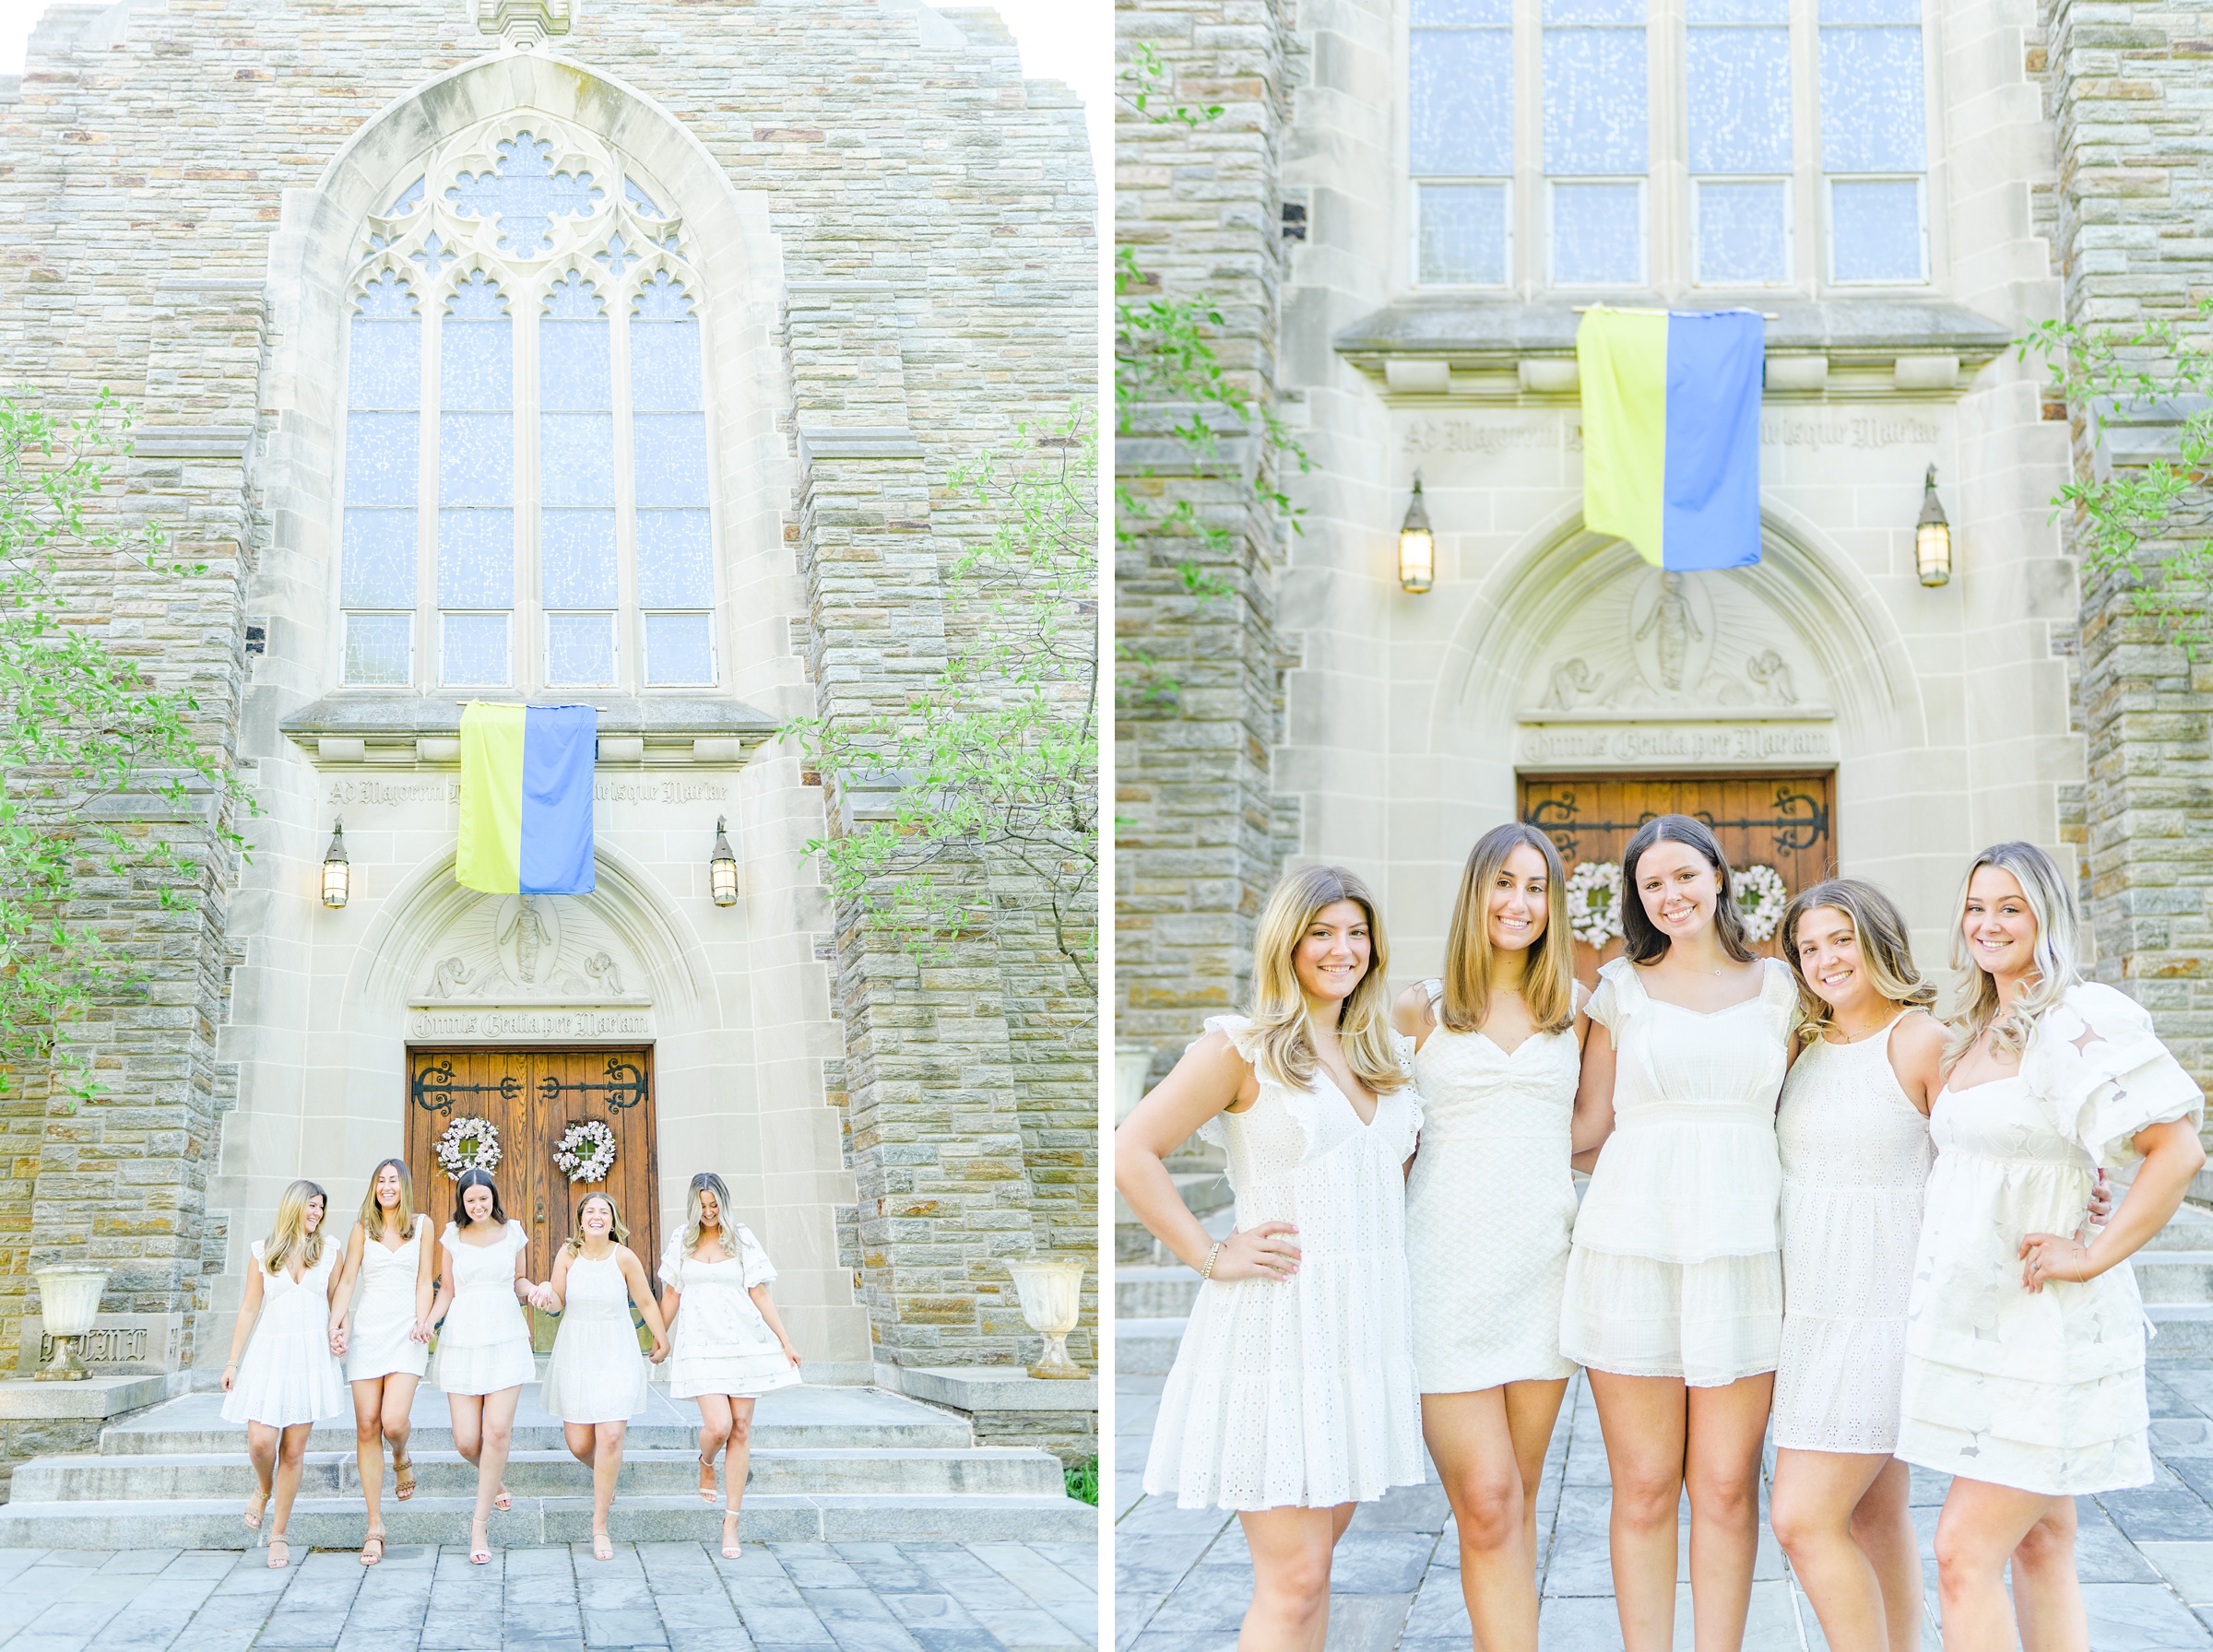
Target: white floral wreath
<point>469,1144</point>
<point>1595,902</point>
<point>586,1150</point>
<point>1760,897</point>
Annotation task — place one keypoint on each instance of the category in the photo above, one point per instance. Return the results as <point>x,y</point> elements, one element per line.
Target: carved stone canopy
<point>524,23</point>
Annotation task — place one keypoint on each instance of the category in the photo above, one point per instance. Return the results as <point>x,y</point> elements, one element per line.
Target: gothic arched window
<point>525,493</point>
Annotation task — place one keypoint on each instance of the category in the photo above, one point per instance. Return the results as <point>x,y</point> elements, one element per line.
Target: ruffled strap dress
<point>2042,1391</point>
<point>1301,1392</point>
<point>287,1373</point>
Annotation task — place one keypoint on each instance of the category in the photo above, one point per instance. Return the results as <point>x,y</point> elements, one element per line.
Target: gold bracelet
<point>1208,1271</point>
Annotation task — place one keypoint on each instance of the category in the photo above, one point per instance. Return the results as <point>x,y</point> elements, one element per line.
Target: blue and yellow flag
<point>526,799</point>
<point>1670,431</point>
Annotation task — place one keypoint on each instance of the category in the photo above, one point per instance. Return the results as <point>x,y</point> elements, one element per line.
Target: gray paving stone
<point>2141,1617</point>
<point>2187,1568</point>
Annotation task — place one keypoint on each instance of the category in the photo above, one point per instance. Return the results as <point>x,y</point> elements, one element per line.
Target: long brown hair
<point>373,1213</point>
<point>288,1233</point>
<point>1641,941</point>
<point>1279,1003</point>
<point>1878,929</point>
<point>616,1232</point>
<point>1548,969</point>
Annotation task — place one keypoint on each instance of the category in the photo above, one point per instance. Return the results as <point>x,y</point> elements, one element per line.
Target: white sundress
<point>596,1373</point>
<point>1301,1392</point>
<point>721,1343</point>
<point>1490,1206</point>
<point>484,1345</point>
<point>287,1373</point>
<point>2042,1391</point>
<point>1855,1161</point>
<point>377,1343</point>
<point>1675,1270</point>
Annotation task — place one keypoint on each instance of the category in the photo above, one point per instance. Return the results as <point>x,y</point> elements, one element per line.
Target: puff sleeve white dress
<point>721,1343</point>
<point>287,1373</point>
<point>1676,1271</point>
<point>2042,1391</point>
<point>1301,1392</point>
<point>484,1345</point>
<point>1490,1207</point>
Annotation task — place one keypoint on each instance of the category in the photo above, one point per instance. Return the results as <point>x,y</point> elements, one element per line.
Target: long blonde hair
<point>1879,932</point>
<point>2052,905</point>
<point>288,1235</point>
<point>616,1232</point>
<point>1279,1003</point>
<point>707,1181</point>
<point>373,1213</point>
<point>1548,970</point>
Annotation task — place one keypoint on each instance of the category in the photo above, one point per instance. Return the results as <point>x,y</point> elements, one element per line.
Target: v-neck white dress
<point>1301,1392</point>
<point>377,1343</point>
<point>287,1373</point>
<point>1490,1206</point>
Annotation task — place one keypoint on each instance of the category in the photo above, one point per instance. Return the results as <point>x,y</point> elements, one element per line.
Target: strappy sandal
<point>403,1478</point>
<point>603,1546</point>
<point>280,1554</point>
<point>729,1537</point>
<point>502,1500</point>
<point>480,1554</point>
<point>252,1515</point>
<point>378,1539</point>
<point>706,1480</point>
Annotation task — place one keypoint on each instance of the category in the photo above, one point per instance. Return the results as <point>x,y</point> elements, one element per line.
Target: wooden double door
<point>530,1096</point>
<point>1780,821</point>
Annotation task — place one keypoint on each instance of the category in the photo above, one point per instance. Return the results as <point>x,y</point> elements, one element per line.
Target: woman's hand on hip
<point>1265,1251</point>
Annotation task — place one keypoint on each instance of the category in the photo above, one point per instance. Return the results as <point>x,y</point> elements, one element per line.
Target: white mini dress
<point>484,1345</point>
<point>1491,1206</point>
<point>1856,1162</point>
<point>1301,1392</point>
<point>377,1343</point>
<point>721,1343</point>
<point>287,1373</point>
<point>2042,1391</point>
<point>1675,1270</point>
<point>596,1373</point>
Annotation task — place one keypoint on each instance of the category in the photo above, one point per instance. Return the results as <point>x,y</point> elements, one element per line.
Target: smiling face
<point>476,1201</point>
<point>313,1218</point>
<point>1332,956</point>
<point>710,1208</point>
<point>387,1187</point>
<point>1999,924</point>
<point>1677,888</point>
<point>1829,956</point>
<point>597,1218</point>
<point>1517,912</point>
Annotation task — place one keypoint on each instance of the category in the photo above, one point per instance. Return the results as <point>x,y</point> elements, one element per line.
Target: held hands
<point>541,1297</point>
<point>660,1351</point>
<point>1262,1252</point>
<point>2051,1258</point>
<point>420,1332</point>
<point>338,1336</point>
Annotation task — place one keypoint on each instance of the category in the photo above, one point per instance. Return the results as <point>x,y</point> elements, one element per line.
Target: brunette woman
<point>385,1335</point>
<point>483,1357</point>
<point>595,1380</point>
<point>1500,1049</point>
<point>288,1380</point>
<point>729,1341</point>
<point>1674,1298</point>
<point>1292,1395</point>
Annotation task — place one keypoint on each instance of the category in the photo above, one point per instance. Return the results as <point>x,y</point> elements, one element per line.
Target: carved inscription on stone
<point>1661,744</point>
<point>118,1344</point>
<point>526,1025</point>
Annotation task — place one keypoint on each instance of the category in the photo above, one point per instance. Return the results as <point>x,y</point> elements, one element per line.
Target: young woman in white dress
<point>384,1334</point>
<point>483,1356</point>
<point>1499,1048</point>
<point>730,1346</point>
<point>2024,1369</point>
<point>1673,1299</point>
<point>288,1379</point>
<point>595,1380</point>
<point>1292,1395</point>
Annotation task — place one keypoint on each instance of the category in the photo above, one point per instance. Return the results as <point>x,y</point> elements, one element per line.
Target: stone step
<point>2188,1229</point>
<point>1155,1291</point>
<point>341,1523</point>
<point>1145,1346</point>
<point>1134,1244</point>
<point>2186,1331</point>
<point>2174,1276</point>
<point>113,1476</point>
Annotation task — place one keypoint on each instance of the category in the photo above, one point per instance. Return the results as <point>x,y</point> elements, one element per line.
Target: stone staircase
<point>2174,1272</point>
<point>828,1465</point>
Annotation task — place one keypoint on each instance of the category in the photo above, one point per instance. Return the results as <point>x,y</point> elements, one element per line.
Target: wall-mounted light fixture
<point>1932,538</point>
<point>1418,545</point>
<point>337,876</point>
<point>722,867</point>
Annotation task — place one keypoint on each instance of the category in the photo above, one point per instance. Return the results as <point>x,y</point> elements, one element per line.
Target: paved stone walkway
<point>1182,1577</point>
<point>804,1597</point>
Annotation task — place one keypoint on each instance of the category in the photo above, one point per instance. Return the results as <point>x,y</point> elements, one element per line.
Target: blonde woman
<point>288,1380</point>
<point>595,1380</point>
<point>2024,1368</point>
<point>730,1346</point>
<point>386,1335</point>
<point>1292,1395</point>
<point>1499,1045</point>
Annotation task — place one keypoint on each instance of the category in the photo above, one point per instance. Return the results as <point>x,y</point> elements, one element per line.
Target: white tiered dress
<point>1855,1161</point>
<point>1675,1270</point>
<point>1301,1392</point>
<point>1490,1207</point>
<point>377,1343</point>
<point>484,1345</point>
<point>595,1373</point>
<point>722,1344</point>
<point>287,1373</point>
<point>2042,1391</point>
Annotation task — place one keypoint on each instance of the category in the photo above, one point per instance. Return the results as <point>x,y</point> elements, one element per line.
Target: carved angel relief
<point>529,949</point>
<point>1666,641</point>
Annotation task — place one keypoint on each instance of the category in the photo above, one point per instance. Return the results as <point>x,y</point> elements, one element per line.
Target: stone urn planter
<point>1052,1294</point>
<point>68,1298</point>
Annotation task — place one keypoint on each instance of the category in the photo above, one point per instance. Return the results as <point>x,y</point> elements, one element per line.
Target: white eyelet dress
<point>1855,1161</point>
<point>1675,1270</point>
<point>1490,1207</point>
<point>721,1343</point>
<point>2040,1391</point>
<point>1301,1392</point>
<point>484,1345</point>
<point>287,1373</point>
<point>377,1343</point>
<point>596,1373</point>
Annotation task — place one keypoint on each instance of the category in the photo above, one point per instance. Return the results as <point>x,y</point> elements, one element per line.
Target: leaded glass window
<point>1737,99</point>
<point>1460,141</point>
<point>1596,141</point>
<point>1873,140</point>
<point>527,495</point>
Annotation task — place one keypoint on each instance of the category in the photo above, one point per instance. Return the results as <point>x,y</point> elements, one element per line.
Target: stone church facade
<point>1397,212</point>
<point>612,353</point>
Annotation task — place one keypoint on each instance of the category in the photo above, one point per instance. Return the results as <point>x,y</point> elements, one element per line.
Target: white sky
<point>1061,40</point>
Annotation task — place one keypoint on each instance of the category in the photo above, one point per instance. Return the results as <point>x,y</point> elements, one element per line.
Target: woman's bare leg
<point>261,1451</point>
<point>468,1411</point>
<point>607,1466</point>
<point>1721,1471</point>
<point>1980,1527</point>
<point>399,1426</point>
<point>1819,1501</point>
<point>1883,1528</point>
<point>1646,1424</point>
<point>369,1445</point>
<point>1490,1448</point>
<point>1291,1549</point>
<point>714,1430</point>
<point>291,1456</point>
<point>497,1438</point>
<point>2047,1591</point>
